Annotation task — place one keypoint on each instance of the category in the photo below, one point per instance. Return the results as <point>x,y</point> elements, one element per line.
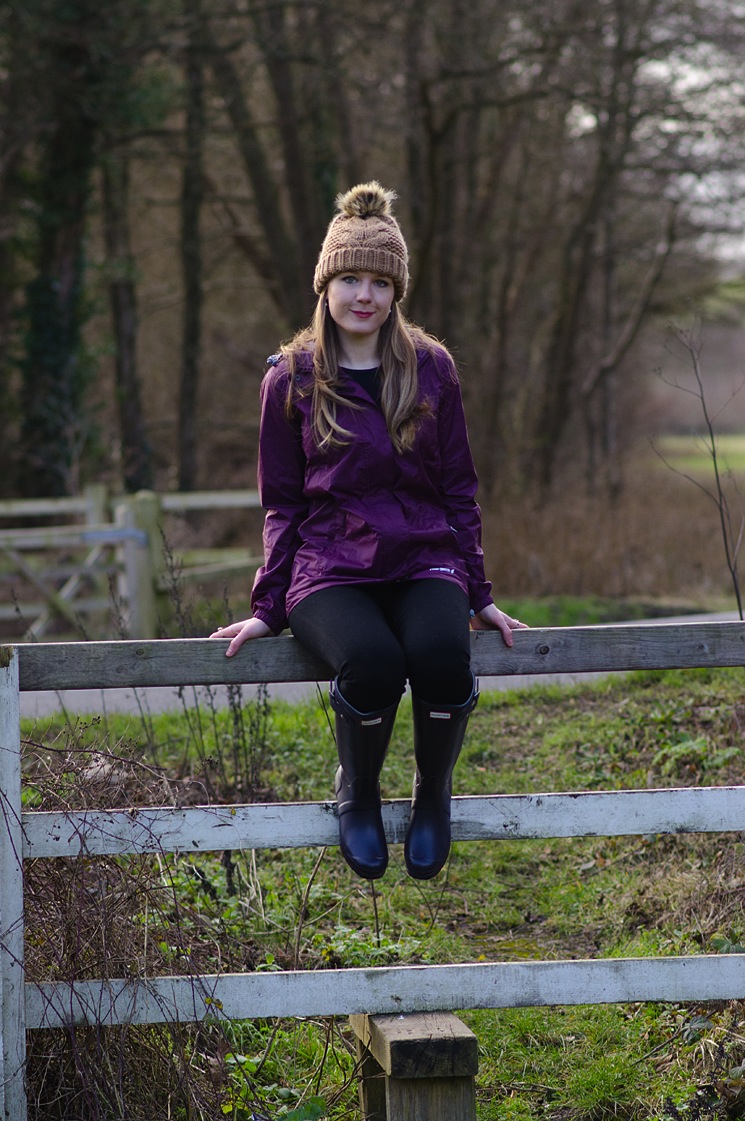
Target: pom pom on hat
<point>366,200</point>
<point>364,235</point>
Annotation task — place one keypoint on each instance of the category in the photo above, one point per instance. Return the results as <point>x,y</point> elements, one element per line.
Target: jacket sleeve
<point>459,484</point>
<point>281,480</point>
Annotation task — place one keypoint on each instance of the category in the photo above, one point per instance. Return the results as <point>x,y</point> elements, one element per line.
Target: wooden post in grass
<point>416,1067</point>
<point>142,556</point>
<point>96,503</point>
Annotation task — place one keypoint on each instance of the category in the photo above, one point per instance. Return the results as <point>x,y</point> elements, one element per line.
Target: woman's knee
<point>435,634</point>
<point>346,628</point>
<point>441,674</point>
<point>372,678</point>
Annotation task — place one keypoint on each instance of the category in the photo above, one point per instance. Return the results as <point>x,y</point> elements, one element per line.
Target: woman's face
<point>360,302</point>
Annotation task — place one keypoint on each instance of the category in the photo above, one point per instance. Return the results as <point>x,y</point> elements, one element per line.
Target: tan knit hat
<point>364,235</point>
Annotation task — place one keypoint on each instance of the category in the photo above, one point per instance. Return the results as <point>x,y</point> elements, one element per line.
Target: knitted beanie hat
<point>364,235</point>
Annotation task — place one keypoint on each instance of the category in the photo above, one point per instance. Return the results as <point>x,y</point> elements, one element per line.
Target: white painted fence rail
<point>347,991</point>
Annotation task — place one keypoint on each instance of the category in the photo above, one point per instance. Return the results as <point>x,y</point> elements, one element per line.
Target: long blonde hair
<point>399,377</point>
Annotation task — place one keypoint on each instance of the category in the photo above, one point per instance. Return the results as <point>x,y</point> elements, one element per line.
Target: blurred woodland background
<point>570,184</point>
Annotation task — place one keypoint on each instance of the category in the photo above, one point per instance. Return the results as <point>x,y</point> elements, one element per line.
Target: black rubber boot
<point>362,740</point>
<point>438,737</point>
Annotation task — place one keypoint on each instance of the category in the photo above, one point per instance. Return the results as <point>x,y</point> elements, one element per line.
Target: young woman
<point>372,537</point>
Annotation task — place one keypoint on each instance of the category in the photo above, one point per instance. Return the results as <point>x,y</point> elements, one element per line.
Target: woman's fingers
<point>227,632</point>
<point>241,632</point>
<point>491,618</point>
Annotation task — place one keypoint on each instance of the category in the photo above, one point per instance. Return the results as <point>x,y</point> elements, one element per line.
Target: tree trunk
<point>136,453</point>
<point>54,378</point>
<point>289,290</point>
<point>192,191</point>
<point>16,133</point>
<point>9,289</point>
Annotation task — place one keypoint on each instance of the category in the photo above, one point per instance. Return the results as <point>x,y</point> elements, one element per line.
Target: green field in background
<point>693,453</point>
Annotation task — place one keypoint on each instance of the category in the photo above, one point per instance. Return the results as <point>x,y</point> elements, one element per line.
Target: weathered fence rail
<point>123,546</point>
<point>372,991</point>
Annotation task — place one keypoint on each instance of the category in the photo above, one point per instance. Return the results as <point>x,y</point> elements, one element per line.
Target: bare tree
<point>539,187</point>
<point>137,467</point>
<point>86,60</point>
<point>192,192</point>
<point>53,429</point>
<point>550,161</point>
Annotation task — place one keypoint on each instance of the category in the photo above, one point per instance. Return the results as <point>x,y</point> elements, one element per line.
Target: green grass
<point>692,454</point>
<point>503,901</point>
<point>570,611</point>
<point>587,611</point>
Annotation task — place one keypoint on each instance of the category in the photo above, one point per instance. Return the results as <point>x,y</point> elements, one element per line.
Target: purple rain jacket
<point>363,512</point>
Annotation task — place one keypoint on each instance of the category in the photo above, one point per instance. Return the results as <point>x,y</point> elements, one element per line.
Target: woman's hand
<point>491,618</point>
<point>240,633</point>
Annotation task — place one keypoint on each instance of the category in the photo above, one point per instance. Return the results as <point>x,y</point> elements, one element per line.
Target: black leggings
<point>375,636</point>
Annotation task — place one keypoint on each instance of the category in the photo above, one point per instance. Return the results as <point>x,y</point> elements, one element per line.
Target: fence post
<point>416,1067</point>
<point>143,561</point>
<point>96,504</point>
<point>13,1016</point>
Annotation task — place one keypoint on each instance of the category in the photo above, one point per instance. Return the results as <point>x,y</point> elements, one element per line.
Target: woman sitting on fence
<point>372,538</point>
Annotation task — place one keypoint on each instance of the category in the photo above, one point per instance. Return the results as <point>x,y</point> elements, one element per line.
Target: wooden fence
<point>121,551</point>
<point>370,991</point>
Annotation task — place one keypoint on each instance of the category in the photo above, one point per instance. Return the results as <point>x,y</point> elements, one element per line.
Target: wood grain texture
<point>385,990</point>
<point>197,661</point>
<point>278,825</point>
<point>372,1082</point>
<point>443,1099</point>
<point>139,664</point>
<point>420,1045</point>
